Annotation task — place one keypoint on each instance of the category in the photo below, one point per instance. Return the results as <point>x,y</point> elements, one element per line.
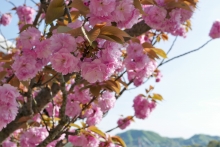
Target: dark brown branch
<point>63,106</point>
<point>40,11</point>
<point>123,90</point>
<point>42,99</point>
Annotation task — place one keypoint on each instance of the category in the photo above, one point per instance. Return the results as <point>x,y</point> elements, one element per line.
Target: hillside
<point>140,138</point>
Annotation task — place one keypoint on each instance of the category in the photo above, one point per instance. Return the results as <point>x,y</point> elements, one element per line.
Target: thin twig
<point>125,88</point>
<point>44,122</point>
<point>50,79</point>
<point>68,13</point>
<point>119,125</point>
<point>185,53</point>
<point>171,47</point>
<point>11,3</point>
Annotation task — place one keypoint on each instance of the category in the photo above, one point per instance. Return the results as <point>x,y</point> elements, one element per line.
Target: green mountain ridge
<point>140,138</point>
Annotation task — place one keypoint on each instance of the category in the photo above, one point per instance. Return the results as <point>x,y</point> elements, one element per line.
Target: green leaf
<point>54,11</point>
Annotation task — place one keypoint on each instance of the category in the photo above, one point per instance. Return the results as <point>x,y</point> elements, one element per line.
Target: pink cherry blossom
<point>130,20</point>
<point>102,7</point>
<point>124,122</point>
<point>83,96</point>
<point>107,101</point>
<point>8,143</point>
<point>152,105</point>
<point>43,49</point>
<point>72,108</point>
<point>77,140</point>
<point>154,16</point>
<point>84,140</point>
<point>92,141</point>
<point>65,62</point>
<point>158,76</point>
<point>30,37</point>
<point>33,136</point>
<point>53,110</point>
<point>141,107</point>
<point>63,43</point>
<point>185,15</point>
<point>94,115</point>
<point>25,66</point>
<point>8,104</point>
<point>215,30</point>
<point>94,19</point>
<point>94,71</point>
<point>5,19</point>
<point>25,14</point>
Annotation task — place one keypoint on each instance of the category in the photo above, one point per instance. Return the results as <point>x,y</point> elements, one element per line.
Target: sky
<point>190,85</point>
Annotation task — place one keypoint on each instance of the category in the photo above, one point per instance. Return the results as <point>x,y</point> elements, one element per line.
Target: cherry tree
<point>59,82</point>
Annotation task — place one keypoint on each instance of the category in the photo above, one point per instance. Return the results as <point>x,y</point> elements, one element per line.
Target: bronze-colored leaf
<point>147,45</point>
<point>79,5</point>
<point>3,74</point>
<point>164,37</point>
<point>114,31</point>
<point>151,53</point>
<point>54,11</point>
<point>14,81</point>
<point>93,34</point>
<point>76,32</point>
<point>118,139</point>
<point>97,131</point>
<point>95,90</point>
<point>138,6</point>
<point>160,52</point>
<point>157,97</point>
<point>63,29</point>
<point>147,2</point>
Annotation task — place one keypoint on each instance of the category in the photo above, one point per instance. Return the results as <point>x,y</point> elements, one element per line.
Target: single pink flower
<point>94,71</point>
<point>141,107</point>
<point>215,30</point>
<point>5,19</point>
<point>65,62</point>
<point>30,37</point>
<point>124,122</point>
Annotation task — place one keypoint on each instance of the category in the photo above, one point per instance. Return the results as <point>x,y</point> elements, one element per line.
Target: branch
<point>185,53</point>
<point>171,47</point>
<point>57,130</point>
<point>123,90</point>
<point>42,99</point>
<point>63,106</point>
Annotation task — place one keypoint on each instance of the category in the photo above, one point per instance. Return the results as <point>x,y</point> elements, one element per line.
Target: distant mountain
<point>140,138</point>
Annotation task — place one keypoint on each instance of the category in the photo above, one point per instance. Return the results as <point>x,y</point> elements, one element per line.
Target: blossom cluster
<point>8,104</point>
<point>90,65</point>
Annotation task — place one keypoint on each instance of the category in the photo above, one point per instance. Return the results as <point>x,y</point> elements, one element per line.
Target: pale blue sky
<point>190,85</point>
